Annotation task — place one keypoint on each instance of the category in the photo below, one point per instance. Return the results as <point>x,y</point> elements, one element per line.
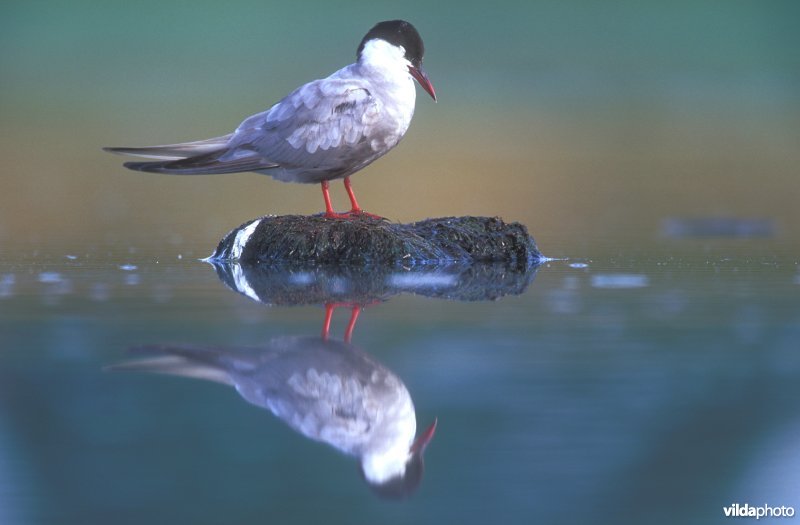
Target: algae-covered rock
<point>363,240</point>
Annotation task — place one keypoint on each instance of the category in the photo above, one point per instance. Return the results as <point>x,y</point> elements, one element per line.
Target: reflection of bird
<point>324,130</point>
<point>328,391</point>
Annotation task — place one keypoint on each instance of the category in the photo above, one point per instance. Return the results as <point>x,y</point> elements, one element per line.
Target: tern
<point>324,130</point>
<point>326,390</point>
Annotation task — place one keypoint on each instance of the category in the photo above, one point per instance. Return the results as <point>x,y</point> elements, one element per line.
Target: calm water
<point>623,389</point>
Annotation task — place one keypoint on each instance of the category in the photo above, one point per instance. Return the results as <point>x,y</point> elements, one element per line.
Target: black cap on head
<point>398,33</point>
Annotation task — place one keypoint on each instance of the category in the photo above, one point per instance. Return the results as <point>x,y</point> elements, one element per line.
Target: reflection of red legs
<point>348,333</point>
<point>355,209</point>
<point>326,324</point>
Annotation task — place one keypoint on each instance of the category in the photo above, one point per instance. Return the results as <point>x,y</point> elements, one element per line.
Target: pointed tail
<point>183,361</point>
<point>201,157</point>
<point>175,151</point>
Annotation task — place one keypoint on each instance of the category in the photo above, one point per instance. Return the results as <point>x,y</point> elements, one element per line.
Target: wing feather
<point>322,125</point>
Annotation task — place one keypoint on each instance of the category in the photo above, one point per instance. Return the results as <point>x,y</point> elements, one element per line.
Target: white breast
<point>387,71</point>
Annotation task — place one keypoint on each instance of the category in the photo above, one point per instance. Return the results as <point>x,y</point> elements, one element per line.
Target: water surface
<point>619,389</point>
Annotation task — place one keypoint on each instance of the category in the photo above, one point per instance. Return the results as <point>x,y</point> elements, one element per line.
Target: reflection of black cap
<point>403,486</point>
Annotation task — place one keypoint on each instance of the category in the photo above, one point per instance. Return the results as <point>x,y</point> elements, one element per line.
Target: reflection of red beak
<point>422,441</point>
<point>419,74</point>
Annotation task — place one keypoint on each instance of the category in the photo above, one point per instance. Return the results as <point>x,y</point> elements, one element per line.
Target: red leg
<point>328,206</point>
<point>327,196</point>
<point>329,213</point>
<point>355,209</point>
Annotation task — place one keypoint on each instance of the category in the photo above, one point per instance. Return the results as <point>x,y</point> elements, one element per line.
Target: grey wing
<point>326,407</point>
<point>323,125</point>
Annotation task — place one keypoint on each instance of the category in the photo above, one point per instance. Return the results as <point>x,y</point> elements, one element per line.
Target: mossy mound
<point>365,241</point>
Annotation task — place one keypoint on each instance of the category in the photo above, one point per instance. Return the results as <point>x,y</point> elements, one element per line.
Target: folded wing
<point>325,126</point>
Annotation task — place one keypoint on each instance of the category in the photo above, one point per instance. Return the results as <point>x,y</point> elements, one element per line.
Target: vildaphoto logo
<point>765,511</point>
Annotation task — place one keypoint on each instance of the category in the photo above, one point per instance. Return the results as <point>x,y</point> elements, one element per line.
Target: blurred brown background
<point>584,121</point>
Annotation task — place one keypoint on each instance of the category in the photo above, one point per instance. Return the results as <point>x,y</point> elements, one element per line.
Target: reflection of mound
<point>293,285</point>
<point>367,241</point>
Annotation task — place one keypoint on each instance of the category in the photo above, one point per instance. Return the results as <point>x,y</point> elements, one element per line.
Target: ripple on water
<point>620,280</point>
<point>7,282</point>
<point>50,277</point>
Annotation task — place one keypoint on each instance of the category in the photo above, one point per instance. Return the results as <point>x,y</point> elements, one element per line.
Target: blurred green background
<point>581,119</point>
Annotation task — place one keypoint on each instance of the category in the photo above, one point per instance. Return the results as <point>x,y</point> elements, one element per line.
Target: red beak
<point>419,74</point>
<point>422,441</point>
